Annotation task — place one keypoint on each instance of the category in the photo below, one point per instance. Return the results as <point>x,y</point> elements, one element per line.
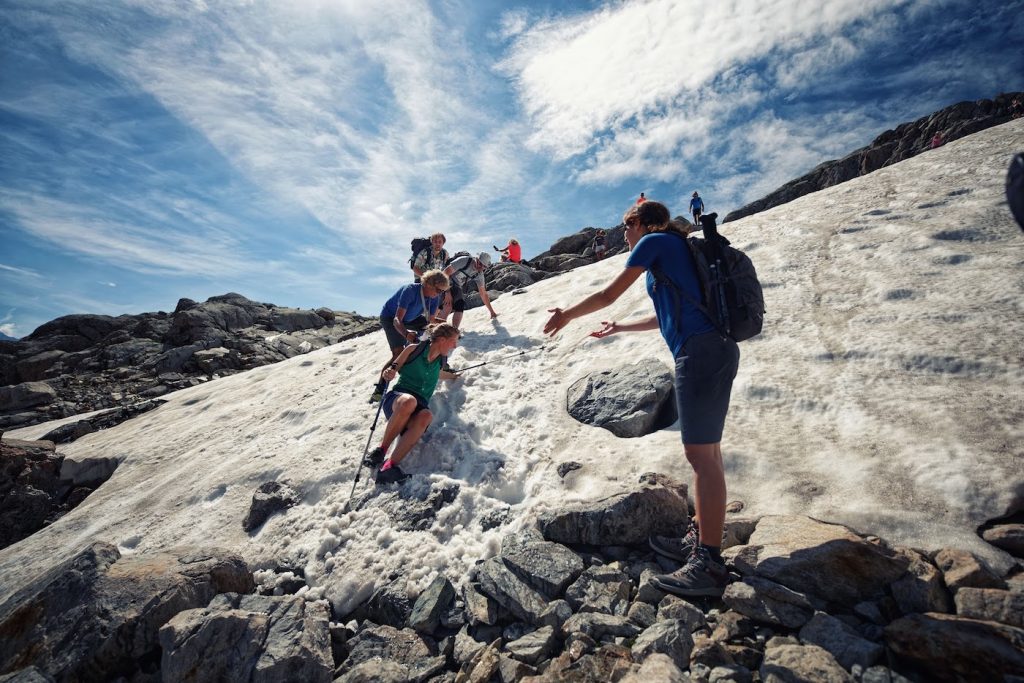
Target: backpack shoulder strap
<point>661,278</point>
<point>420,348</point>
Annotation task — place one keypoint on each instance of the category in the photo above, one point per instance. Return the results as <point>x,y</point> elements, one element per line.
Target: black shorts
<point>704,375</point>
<point>458,298</point>
<point>395,339</point>
<point>388,402</point>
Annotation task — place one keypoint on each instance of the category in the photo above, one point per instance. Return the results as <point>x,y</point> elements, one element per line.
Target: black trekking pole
<point>366,449</point>
<point>497,360</point>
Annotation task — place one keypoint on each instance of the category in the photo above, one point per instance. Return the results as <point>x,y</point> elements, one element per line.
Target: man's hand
<point>557,321</point>
<point>608,329</point>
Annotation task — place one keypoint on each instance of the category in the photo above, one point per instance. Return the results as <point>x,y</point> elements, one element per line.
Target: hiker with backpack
<point>696,207</point>
<point>428,254</point>
<point>463,270</point>
<point>600,245</point>
<point>706,363</point>
<point>407,406</point>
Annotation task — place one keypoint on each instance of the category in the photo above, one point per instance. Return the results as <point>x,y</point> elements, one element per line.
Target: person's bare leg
<point>456,319</point>
<point>416,426</point>
<point>401,410</point>
<point>709,490</point>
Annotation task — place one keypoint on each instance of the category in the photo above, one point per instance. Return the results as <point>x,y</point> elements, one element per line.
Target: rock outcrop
<point>892,146</point>
<point>81,363</point>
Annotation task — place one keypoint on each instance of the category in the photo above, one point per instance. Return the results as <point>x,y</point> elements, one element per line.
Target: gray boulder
<point>921,589</point>
<point>269,498</point>
<point>785,662</point>
<point>670,637</point>
<point>673,607</point>
<point>841,641</point>
<point>657,667</point>
<point>824,560</point>
<point>534,647</point>
<point>597,625</point>
<point>991,604</point>
<point>431,604</point>
<point>1009,537</point>
<point>511,592</point>
<point>26,395</point>
<point>417,653</point>
<point>628,402</point>
<point>961,569</point>
<point>949,648</point>
<point>95,616</point>
<point>547,567</point>
<point>600,589</point>
<point>625,518</point>
<point>247,638</point>
<point>768,602</point>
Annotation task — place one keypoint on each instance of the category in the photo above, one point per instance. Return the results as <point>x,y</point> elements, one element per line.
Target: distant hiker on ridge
<point>460,272</point>
<point>410,309</point>
<point>600,245</point>
<point>706,363</point>
<point>511,251</point>
<point>641,199</point>
<point>937,140</point>
<point>407,406</point>
<point>433,257</point>
<point>696,208</point>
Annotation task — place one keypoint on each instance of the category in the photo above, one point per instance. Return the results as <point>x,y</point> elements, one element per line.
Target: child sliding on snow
<point>406,406</point>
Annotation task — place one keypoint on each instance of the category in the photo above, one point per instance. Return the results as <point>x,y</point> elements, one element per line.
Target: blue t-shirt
<point>410,297</point>
<point>672,257</point>
<point>696,204</point>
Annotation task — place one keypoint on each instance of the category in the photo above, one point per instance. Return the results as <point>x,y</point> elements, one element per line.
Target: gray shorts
<point>395,339</point>
<point>704,375</point>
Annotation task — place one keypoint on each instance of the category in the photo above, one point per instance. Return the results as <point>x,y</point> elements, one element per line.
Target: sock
<point>714,552</point>
<point>387,465</point>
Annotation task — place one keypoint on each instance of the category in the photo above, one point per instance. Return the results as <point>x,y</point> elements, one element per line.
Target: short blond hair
<point>436,279</point>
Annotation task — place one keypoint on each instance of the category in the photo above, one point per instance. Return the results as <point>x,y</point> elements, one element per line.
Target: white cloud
<point>600,79</point>
<point>20,272</point>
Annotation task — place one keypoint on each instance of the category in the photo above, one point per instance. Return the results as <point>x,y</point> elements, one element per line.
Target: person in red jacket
<point>511,251</point>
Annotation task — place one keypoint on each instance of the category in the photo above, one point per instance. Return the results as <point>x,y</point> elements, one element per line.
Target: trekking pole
<point>497,360</point>
<point>366,450</point>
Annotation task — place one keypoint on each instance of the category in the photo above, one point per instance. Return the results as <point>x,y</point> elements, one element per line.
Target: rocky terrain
<point>892,146</point>
<point>81,363</point>
<point>567,598</point>
<point>225,547</point>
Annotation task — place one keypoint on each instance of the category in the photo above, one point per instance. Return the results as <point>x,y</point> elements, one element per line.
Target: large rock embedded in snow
<point>629,401</point>
<point>622,519</point>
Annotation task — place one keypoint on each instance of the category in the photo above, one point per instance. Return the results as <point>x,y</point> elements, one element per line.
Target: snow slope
<point>886,393</point>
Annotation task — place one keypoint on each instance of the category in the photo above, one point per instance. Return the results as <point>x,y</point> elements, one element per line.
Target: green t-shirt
<point>419,375</point>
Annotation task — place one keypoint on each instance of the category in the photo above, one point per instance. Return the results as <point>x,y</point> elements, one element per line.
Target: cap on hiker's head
<point>484,258</point>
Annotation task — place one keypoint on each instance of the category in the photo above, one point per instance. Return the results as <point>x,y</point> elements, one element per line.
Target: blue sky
<point>288,151</point>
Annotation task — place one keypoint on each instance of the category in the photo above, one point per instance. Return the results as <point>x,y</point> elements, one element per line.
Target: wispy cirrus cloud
<point>645,89</point>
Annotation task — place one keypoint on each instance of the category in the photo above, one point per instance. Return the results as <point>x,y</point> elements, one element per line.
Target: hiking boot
<point>392,475</point>
<point>699,577</point>
<point>676,548</point>
<point>374,458</point>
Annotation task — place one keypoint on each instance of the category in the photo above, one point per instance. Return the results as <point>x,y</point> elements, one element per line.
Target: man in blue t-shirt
<point>706,362</point>
<point>410,309</point>
<point>696,209</point>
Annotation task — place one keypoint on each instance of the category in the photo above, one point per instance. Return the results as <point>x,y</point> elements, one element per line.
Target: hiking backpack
<point>418,244</point>
<point>730,291</point>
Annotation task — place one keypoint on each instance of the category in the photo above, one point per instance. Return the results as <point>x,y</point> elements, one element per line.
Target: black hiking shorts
<point>704,374</point>
<point>458,299</point>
